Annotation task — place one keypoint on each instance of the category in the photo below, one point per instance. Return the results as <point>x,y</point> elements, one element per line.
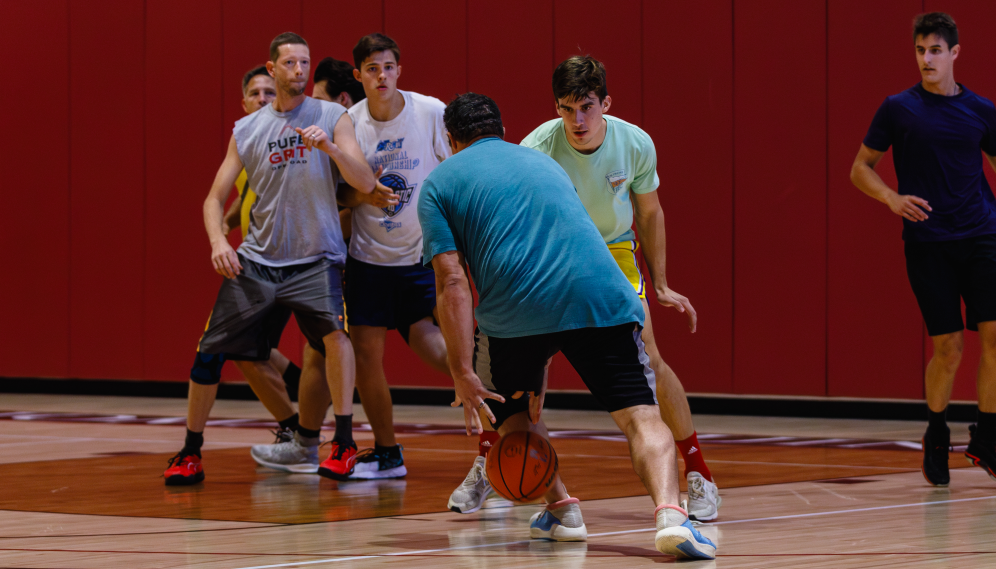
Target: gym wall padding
<point>757,109</point>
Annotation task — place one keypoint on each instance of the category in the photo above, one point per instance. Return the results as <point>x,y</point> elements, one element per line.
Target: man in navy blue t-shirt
<point>939,131</point>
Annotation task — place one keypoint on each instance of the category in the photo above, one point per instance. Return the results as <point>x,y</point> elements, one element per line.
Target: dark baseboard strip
<point>702,405</point>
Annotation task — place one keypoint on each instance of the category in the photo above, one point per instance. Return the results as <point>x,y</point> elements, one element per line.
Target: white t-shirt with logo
<point>408,147</point>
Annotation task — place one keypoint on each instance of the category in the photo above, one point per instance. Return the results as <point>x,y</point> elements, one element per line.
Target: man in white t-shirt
<point>387,287</point>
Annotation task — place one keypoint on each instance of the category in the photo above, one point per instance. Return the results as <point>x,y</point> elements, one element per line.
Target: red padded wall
<point>973,69</point>
<point>617,43</point>
<point>692,128</point>
<point>874,326</point>
<point>332,29</point>
<point>780,198</point>
<point>432,38</point>
<point>182,158</point>
<point>523,95</point>
<point>34,291</point>
<point>107,180</point>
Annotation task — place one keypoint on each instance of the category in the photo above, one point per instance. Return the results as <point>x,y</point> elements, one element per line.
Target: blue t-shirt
<point>537,260</point>
<point>936,142</point>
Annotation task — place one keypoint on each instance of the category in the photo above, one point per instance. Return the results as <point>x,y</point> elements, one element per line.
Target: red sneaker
<point>184,470</point>
<point>339,465</point>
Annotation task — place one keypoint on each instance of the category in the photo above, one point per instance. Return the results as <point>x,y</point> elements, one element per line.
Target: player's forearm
<point>355,171</point>
<point>233,217</point>
<point>456,322</point>
<point>348,196</point>
<point>213,216</point>
<point>654,242</point>
<point>868,181</point>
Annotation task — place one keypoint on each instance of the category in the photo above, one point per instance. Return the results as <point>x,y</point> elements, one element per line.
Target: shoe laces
<point>177,458</point>
<point>284,435</point>
<point>366,455</point>
<point>475,474</point>
<point>696,488</point>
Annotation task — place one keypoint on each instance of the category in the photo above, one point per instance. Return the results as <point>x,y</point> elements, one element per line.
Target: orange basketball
<point>521,466</point>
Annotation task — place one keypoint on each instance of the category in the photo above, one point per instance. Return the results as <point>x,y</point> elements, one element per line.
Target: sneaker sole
<point>680,543</point>
<point>398,472</point>
<point>291,468</point>
<point>560,533</point>
<point>975,461</point>
<point>177,480</point>
<point>328,473</point>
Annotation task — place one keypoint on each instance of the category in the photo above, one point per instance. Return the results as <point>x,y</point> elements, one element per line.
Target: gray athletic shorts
<point>249,307</point>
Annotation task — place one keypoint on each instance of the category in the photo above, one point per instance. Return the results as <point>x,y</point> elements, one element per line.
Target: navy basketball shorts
<point>943,273</point>
<point>388,296</point>
<point>612,362</point>
<point>250,307</point>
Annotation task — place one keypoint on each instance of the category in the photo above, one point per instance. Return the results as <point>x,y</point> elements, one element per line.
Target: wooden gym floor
<point>80,487</point>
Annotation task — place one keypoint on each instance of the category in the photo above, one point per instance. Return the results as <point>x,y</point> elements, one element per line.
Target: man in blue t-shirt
<point>546,283</point>
<point>937,129</point>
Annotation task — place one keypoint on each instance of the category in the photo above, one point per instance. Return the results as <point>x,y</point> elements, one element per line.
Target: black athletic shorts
<point>611,361</point>
<point>942,273</point>
<point>250,306</point>
<point>388,297</point>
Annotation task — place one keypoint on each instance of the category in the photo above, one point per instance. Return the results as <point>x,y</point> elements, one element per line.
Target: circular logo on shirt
<point>400,186</point>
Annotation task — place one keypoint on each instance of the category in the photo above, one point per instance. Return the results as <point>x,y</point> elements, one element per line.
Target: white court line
<point>480,546</point>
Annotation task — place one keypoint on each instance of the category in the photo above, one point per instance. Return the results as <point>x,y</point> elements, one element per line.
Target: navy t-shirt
<point>936,144</point>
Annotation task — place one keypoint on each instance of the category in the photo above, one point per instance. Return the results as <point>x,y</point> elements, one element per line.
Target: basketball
<point>521,466</point>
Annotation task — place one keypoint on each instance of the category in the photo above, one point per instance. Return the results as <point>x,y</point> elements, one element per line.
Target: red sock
<point>488,438</point>
<point>691,452</point>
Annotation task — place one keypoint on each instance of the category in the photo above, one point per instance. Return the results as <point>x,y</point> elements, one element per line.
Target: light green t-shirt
<point>625,162</point>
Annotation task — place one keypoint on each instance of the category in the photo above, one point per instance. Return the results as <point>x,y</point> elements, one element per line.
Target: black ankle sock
<point>292,377</point>
<point>392,450</point>
<point>308,433</point>
<point>193,443</point>
<point>937,422</point>
<point>987,426</point>
<point>343,429</point>
<point>289,423</point>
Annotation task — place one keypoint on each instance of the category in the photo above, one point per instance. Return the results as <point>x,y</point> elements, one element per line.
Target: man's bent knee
<point>207,368</point>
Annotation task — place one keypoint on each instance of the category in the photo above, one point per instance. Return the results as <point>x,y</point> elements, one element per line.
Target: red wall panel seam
<point>69,184</point>
<point>826,202</point>
<point>145,180</point>
<point>733,194</point>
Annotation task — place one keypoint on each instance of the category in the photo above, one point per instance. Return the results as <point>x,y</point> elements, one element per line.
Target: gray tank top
<point>295,219</point>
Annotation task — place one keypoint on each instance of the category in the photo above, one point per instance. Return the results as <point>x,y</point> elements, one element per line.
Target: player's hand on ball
<point>909,207</point>
<point>225,261</point>
<point>315,138</point>
<point>381,196</point>
<point>671,299</point>
<point>470,392</point>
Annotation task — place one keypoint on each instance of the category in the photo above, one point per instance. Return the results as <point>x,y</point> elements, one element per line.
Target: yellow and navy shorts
<point>624,253</point>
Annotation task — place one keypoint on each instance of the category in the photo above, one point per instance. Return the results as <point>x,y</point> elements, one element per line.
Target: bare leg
<point>200,400</point>
<point>651,448</point>
<point>267,383</point>
<point>941,369</point>
<point>671,397</point>
<point>279,361</point>
<point>521,422</point>
<point>340,369</point>
<point>375,395</point>
<point>313,394</point>
<point>986,379</point>
<point>427,342</point>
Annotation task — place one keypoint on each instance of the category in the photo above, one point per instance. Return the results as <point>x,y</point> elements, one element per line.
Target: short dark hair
<point>936,23</point>
<point>339,78</point>
<point>286,38</point>
<point>577,76</point>
<point>261,70</point>
<point>470,116</point>
<point>374,43</point>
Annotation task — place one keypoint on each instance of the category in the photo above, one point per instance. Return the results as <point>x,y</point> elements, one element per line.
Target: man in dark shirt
<point>937,129</point>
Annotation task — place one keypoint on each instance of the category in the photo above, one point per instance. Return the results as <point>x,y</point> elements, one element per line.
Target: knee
<point>336,341</point>
<point>948,352</point>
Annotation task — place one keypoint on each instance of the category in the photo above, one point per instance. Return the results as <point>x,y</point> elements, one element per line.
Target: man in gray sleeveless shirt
<point>293,254</point>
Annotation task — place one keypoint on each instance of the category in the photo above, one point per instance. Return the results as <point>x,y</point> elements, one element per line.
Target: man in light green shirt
<point>613,165</point>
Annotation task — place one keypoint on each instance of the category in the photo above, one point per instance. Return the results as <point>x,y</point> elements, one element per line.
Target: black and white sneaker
<point>981,453</point>
<point>935,457</point>
<point>376,463</point>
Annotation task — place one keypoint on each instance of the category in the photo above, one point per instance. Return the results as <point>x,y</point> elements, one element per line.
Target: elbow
<point>856,173</point>
<point>451,284</point>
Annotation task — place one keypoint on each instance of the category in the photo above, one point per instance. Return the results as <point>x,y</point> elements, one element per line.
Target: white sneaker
<point>703,498</point>
<point>560,524</point>
<point>677,536</point>
<point>298,455</point>
<point>471,494</point>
